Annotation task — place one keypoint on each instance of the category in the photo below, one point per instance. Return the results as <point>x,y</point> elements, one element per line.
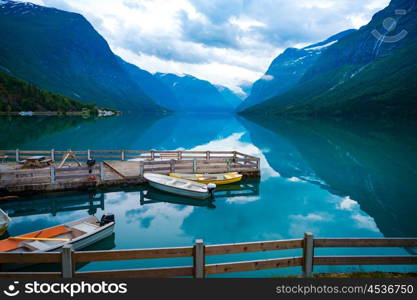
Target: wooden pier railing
<point>55,155</point>
<point>68,258</point>
<point>148,161</point>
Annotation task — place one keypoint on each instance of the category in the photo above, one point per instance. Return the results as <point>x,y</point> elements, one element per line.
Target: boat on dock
<point>218,179</point>
<point>179,186</point>
<point>79,233</point>
<point>4,222</point>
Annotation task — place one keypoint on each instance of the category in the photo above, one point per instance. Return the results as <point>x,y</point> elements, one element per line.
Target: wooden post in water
<point>141,168</point>
<point>308,254</point>
<point>199,259</point>
<point>172,165</point>
<point>67,262</point>
<point>102,175</point>
<point>17,155</point>
<point>52,168</point>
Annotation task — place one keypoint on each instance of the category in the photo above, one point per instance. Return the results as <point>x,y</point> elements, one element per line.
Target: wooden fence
<point>68,258</point>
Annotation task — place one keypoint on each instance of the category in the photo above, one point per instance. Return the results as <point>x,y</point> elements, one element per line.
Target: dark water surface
<point>335,179</point>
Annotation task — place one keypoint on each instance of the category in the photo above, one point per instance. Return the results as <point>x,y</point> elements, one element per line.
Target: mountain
<point>369,72</point>
<point>152,86</point>
<point>287,69</point>
<point>229,96</point>
<point>61,52</point>
<point>18,95</point>
<point>196,95</point>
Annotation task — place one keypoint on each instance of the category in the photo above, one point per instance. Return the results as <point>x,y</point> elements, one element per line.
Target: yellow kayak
<point>224,178</point>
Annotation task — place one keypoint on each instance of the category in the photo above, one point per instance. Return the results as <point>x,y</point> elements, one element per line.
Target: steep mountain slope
<point>229,96</point>
<point>287,69</point>
<point>152,86</point>
<point>370,72</point>
<point>17,95</point>
<point>61,52</point>
<point>195,95</point>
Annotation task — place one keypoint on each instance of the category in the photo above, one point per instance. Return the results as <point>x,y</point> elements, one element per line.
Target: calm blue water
<point>335,179</point>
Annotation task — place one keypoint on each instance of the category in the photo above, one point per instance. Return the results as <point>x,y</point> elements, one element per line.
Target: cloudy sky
<point>228,42</point>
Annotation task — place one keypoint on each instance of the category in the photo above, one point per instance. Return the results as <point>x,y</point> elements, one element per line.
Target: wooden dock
<point>114,168</point>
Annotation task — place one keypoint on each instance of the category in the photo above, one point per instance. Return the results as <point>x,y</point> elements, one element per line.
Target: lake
<point>333,178</point>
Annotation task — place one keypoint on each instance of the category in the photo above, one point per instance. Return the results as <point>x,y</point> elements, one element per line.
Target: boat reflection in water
<point>152,196</point>
<point>245,188</point>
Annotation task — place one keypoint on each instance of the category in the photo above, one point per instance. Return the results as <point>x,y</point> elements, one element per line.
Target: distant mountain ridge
<point>196,95</point>
<point>287,69</point>
<point>370,72</point>
<point>61,52</point>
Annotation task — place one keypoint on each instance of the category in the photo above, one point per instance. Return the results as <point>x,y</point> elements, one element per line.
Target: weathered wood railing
<point>47,175</point>
<point>68,258</point>
<point>19,155</point>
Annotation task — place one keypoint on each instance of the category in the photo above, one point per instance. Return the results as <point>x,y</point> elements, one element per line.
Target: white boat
<point>26,113</point>
<point>80,234</point>
<point>4,222</point>
<point>180,186</point>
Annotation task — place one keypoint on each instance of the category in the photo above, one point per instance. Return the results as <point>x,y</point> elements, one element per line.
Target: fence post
<point>199,259</point>
<point>207,155</point>
<point>88,154</point>
<point>152,154</point>
<point>52,168</point>
<point>67,262</point>
<point>308,254</point>
<point>52,155</point>
<point>141,168</point>
<point>123,155</point>
<point>17,155</point>
<point>102,176</point>
<point>172,165</point>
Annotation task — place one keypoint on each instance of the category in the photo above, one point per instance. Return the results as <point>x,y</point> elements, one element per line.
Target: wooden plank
<point>253,247</point>
<point>75,176</point>
<point>371,242</point>
<point>114,170</point>
<point>253,265</point>
<point>34,151</point>
<point>365,260</point>
<point>25,180</point>
<point>25,171</point>
<point>106,151</point>
<point>138,273</point>
<point>49,257</point>
<point>65,170</point>
<point>30,275</point>
<point>87,256</point>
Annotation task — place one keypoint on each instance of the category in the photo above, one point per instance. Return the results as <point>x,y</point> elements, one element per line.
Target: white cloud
<point>225,42</point>
<point>267,77</point>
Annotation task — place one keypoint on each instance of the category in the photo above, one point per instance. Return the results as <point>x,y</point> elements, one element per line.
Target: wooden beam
<point>87,256</point>
<point>253,265</point>
<point>365,260</point>
<point>138,273</point>
<point>253,247</point>
<point>371,242</point>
